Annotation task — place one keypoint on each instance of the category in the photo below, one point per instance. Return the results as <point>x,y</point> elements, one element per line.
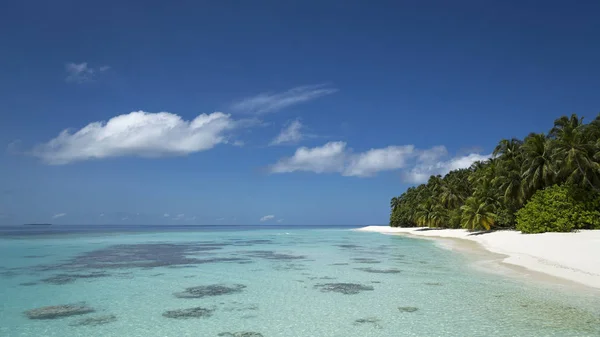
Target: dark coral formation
<point>349,246</point>
<point>94,321</point>
<point>240,334</point>
<point>197,312</point>
<point>70,278</point>
<point>271,255</point>
<point>408,309</point>
<point>339,264</point>
<point>369,320</point>
<point>365,260</point>
<point>210,290</point>
<point>432,283</point>
<point>58,311</point>
<point>343,288</point>
<point>146,255</point>
<point>380,271</point>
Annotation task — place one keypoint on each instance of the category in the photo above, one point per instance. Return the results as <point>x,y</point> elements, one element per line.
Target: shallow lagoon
<point>272,282</point>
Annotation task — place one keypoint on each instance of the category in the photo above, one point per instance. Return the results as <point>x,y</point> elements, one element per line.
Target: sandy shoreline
<point>570,256</point>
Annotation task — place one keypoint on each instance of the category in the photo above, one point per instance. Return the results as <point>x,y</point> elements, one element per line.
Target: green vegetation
<point>558,209</point>
<point>546,182</point>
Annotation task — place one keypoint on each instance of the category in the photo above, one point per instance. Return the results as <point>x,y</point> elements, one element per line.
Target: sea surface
<point>266,281</point>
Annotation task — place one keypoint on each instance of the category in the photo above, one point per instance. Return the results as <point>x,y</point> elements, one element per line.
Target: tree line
<point>545,182</point>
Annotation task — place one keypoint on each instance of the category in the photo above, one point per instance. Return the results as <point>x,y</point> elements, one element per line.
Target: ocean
<point>266,281</point>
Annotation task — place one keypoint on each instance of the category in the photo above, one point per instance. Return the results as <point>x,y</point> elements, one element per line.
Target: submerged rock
<point>380,271</point>
<point>343,288</point>
<point>94,321</point>
<point>369,320</point>
<point>58,311</point>
<point>28,284</point>
<point>240,334</point>
<point>210,290</point>
<point>432,283</point>
<point>408,309</point>
<point>197,312</point>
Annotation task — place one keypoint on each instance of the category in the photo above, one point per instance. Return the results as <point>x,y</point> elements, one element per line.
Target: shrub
<point>559,209</point>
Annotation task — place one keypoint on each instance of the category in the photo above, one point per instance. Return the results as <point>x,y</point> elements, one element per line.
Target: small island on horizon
<point>37,224</point>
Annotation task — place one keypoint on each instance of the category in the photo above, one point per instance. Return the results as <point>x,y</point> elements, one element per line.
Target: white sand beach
<point>571,256</point>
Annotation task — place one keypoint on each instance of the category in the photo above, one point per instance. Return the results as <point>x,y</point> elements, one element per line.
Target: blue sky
<point>233,112</point>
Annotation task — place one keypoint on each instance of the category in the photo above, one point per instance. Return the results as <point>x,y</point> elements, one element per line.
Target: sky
<point>271,112</point>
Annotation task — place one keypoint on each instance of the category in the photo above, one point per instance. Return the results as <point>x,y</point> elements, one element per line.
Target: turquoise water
<point>282,282</point>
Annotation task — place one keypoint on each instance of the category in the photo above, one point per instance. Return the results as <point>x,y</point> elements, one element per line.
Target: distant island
<point>37,224</point>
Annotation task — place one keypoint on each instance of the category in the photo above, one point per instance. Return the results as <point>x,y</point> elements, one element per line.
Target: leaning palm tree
<point>477,214</point>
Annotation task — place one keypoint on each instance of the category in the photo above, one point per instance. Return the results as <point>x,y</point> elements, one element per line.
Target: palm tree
<point>424,214</point>
<point>538,171</point>
<point>508,148</point>
<point>431,214</point>
<point>477,214</point>
<point>394,203</point>
<point>574,152</point>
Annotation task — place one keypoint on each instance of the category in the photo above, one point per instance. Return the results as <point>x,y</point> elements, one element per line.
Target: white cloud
<point>290,134</point>
<point>421,172</point>
<point>81,72</point>
<point>101,214</point>
<point>370,162</point>
<point>432,155</point>
<point>280,220</point>
<point>335,157</point>
<point>124,218</point>
<point>327,158</point>
<point>166,215</point>
<point>58,215</point>
<point>271,102</point>
<point>220,219</point>
<point>267,218</point>
<point>138,133</point>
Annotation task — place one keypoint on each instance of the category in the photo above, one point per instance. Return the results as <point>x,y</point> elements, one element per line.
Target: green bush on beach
<point>558,209</point>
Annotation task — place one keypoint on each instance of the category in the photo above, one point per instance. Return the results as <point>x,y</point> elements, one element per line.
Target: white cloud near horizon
<point>421,172</point>
<point>58,215</point>
<point>267,218</point>
<point>289,135</point>
<point>321,159</point>
<point>81,72</point>
<point>272,102</point>
<point>368,163</point>
<point>139,133</point>
<point>335,157</point>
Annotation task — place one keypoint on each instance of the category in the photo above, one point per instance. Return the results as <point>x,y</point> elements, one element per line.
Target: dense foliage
<point>509,189</point>
<point>558,209</point>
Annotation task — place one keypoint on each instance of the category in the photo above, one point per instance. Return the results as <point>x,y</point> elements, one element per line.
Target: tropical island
<point>543,184</point>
